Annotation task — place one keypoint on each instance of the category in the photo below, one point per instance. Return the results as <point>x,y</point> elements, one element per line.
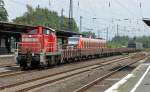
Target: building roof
<point>66,33</point>
<point>13,28</point>
<point>147,21</point>
<point>20,28</point>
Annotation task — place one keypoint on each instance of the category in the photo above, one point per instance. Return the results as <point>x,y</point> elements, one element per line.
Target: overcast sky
<point>107,13</point>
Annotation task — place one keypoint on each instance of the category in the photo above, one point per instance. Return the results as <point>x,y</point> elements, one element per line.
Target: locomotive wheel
<point>23,65</point>
<point>48,63</point>
<point>35,62</point>
<point>58,60</point>
<point>51,61</point>
<point>78,59</point>
<point>22,62</point>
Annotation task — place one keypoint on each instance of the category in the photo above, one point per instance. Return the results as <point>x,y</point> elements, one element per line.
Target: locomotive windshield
<point>34,31</point>
<point>73,40</point>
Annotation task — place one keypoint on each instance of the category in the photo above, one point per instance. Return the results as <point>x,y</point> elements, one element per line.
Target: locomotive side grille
<point>29,39</point>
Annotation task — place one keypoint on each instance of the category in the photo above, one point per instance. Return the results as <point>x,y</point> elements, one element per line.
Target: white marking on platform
<point>15,66</point>
<point>100,85</point>
<point>1,56</point>
<point>141,61</point>
<point>4,70</point>
<point>118,84</point>
<point>148,64</point>
<point>141,79</point>
<point>113,79</point>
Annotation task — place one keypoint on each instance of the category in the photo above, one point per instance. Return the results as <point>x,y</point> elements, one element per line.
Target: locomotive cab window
<point>45,31</point>
<point>73,40</point>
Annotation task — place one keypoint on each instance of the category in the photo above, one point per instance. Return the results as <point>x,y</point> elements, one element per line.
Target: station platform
<point>5,56</point>
<point>137,81</point>
<point>8,57</point>
<point>7,60</point>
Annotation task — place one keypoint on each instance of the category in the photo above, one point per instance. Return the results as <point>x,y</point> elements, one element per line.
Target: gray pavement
<point>144,85</point>
<point>139,81</point>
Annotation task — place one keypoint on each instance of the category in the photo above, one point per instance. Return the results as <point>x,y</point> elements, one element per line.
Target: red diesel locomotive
<point>36,46</point>
<point>39,48</point>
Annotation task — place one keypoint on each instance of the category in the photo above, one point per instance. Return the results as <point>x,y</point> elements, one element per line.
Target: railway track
<point>89,85</point>
<point>18,72</point>
<point>34,83</point>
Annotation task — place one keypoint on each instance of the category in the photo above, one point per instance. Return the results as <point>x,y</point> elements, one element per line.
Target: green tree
<point>89,33</point>
<point>44,17</point>
<point>119,41</point>
<point>122,41</point>
<point>145,40</point>
<point>65,26</point>
<point>3,12</point>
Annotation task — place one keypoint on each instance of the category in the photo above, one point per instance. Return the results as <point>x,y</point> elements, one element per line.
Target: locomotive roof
<point>49,28</point>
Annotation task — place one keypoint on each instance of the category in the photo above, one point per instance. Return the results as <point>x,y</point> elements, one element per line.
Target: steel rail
<point>57,74</point>
<point>13,73</point>
<point>85,87</point>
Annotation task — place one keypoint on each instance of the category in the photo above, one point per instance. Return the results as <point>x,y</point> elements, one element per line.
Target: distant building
<point>136,45</point>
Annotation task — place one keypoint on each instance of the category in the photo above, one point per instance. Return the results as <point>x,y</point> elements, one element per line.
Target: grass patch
<point>147,49</point>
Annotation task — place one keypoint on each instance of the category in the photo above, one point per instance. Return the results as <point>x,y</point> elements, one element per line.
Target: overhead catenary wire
<point>89,13</point>
<point>18,2</point>
<point>123,6</point>
<point>138,4</point>
<point>139,7</point>
<point>25,4</point>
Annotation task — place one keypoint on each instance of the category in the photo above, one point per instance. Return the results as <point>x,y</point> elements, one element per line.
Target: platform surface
<point>143,84</point>
<point>5,56</point>
<point>137,81</point>
<point>140,80</point>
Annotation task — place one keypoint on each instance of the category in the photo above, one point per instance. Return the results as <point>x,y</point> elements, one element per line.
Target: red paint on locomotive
<point>39,39</point>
